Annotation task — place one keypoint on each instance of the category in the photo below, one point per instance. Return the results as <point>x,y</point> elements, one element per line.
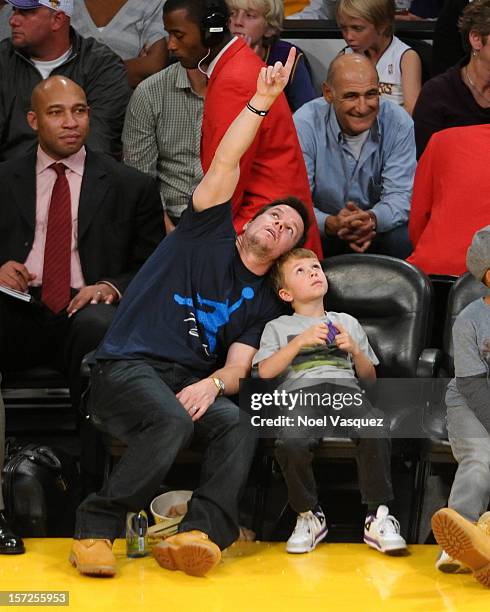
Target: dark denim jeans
<point>135,402</point>
<point>395,243</point>
<point>373,457</point>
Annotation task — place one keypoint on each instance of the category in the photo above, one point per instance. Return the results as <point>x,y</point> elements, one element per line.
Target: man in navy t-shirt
<point>184,334</point>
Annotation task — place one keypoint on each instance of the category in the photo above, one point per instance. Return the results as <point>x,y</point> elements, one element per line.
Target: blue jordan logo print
<point>212,321</point>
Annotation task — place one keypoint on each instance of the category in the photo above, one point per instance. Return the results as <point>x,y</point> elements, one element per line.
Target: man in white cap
<point>42,43</point>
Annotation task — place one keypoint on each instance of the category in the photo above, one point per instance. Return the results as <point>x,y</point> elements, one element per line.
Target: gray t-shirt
<point>316,362</point>
<point>471,341</point>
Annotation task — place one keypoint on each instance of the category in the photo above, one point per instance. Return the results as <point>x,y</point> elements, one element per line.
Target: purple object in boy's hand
<point>332,332</point>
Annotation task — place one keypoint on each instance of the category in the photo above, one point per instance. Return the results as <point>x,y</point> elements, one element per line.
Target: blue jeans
<point>135,402</point>
<point>470,443</point>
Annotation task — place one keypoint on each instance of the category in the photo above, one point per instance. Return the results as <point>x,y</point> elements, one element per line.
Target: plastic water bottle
<point>137,534</point>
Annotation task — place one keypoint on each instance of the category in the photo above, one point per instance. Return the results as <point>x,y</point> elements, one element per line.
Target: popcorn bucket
<point>168,510</point>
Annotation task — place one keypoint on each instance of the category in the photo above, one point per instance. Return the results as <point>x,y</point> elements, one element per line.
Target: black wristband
<point>256,110</point>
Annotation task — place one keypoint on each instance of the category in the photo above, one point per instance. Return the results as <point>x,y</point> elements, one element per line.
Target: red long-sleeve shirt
<point>273,167</point>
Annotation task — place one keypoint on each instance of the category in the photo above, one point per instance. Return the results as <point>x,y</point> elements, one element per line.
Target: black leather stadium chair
<point>37,400</point>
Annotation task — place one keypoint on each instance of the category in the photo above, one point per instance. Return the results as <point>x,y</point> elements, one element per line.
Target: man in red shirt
<point>273,167</point>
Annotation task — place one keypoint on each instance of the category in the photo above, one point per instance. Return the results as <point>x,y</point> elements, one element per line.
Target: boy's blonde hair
<point>276,274</point>
<point>378,12</point>
<point>272,10</point>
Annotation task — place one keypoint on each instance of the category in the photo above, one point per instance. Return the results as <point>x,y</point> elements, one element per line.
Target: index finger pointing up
<point>288,66</point>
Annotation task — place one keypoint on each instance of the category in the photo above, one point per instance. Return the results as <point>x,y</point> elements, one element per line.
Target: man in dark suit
<point>75,227</point>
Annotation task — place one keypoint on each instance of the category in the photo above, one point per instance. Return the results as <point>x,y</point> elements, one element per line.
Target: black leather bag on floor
<point>41,490</point>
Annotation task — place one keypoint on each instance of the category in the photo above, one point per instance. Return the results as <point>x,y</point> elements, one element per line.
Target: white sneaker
<point>382,532</point>
<point>310,529</point>
<point>449,565</point>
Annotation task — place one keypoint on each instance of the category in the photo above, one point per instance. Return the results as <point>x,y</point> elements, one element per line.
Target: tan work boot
<point>484,523</point>
<point>93,557</point>
<point>445,563</point>
<point>190,551</point>
<point>464,541</point>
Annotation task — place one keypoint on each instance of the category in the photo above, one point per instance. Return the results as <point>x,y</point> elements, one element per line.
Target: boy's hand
<point>345,342</point>
<point>313,336</point>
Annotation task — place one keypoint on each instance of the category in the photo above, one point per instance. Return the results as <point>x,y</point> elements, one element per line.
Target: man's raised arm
<point>220,181</point>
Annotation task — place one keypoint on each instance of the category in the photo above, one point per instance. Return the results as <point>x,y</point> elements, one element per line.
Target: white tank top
<point>389,71</point>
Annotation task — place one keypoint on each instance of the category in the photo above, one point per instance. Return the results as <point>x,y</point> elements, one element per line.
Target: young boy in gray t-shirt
<point>302,348</point>
<point>468,424</point>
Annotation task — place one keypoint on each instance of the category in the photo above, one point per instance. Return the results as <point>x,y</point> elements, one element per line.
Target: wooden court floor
<point>252,577</point>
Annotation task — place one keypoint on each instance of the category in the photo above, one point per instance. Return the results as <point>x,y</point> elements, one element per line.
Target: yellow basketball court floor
<point>254,576</point>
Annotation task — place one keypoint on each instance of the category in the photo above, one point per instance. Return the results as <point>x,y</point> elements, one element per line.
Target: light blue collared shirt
<point>380,180</point>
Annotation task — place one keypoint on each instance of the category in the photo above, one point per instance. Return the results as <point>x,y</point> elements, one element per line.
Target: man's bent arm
<point>238,364</point>
<point>140,145</point>
<point>220,181</point>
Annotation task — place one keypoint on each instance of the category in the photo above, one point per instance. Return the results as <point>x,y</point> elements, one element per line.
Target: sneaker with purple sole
<point>382,532</point>
<point>311,528</point>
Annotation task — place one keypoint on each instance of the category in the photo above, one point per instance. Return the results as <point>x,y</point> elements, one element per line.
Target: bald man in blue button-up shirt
<point>360,157</point>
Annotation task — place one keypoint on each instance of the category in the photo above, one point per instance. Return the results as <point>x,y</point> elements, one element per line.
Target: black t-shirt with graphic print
<point>192,299</point>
